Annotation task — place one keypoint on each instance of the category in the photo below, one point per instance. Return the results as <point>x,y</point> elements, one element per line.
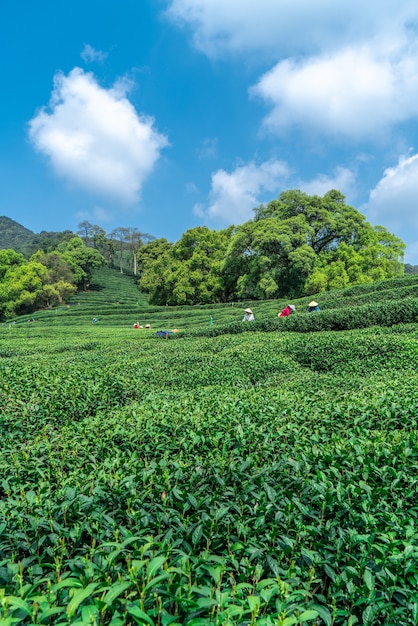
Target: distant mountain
<point>14,236</point>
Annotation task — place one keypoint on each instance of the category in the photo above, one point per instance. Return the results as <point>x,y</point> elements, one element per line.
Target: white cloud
<point>234,195</point>
<point>394,200</point>
<point>343,180</point>
<point>345,69</point>
<point>94,138</point>
<point>354,93</point>
<point>89,54</point>
<point>288,26</point>
<point>394,203</point>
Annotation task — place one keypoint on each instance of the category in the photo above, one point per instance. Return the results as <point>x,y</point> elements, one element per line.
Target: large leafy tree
<point>329,219</point>
<point>187,272</point>
<point>47,279</point>
<point>82,260</point>
<point>339,246</point>
<point>381,256</point>
<point>9,259</point>
<point>154,259</point>
<point>21,288</point>
<point>267,258</point>
<point>60,280</point>
<point>295,245</point>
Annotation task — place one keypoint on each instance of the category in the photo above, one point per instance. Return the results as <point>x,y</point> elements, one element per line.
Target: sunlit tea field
<point>219,477</point>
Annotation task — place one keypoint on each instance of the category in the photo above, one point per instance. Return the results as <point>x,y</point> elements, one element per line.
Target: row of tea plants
<point>248,479</point>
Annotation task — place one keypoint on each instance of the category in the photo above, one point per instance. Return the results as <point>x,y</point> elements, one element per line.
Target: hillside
<point>115,301</point>
<point>251,478</point>
<point>14,236</point>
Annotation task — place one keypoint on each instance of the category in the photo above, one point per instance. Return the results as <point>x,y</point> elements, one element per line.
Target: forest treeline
<point>47,278</point>
<point>296,245</point>
<point>44,270</point>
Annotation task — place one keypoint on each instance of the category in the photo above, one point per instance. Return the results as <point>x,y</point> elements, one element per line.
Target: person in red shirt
<point>287,310</point>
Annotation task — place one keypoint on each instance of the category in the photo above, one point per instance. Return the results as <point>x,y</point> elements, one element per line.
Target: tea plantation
<point>266,477</point>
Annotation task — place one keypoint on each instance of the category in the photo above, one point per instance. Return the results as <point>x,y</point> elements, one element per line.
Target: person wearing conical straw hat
<point>248,316</point>
<point>313,306</point>
<point>287,310</point>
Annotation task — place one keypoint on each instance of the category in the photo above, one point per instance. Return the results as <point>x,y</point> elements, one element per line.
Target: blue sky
<point>169,114</point>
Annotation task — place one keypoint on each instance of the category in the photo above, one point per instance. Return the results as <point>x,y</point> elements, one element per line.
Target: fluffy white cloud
<point>288,26</point>
<point>394,200</point>
<point>343,180</point>
<point>354,93</point>
<point>94,138</point>
<point>234,195</point>
<point>394,203</point>
<point>346,68</point>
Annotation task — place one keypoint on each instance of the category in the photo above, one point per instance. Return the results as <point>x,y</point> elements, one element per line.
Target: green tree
<point>296,244</point>
<point>81,259</point>
<point>380,257</point>
<point>9,259</point>
<point>48,241</point>
<point>21,288</point>
<point>60,280</point>
<point>268,258</point>
<point>329,218</point>
<point>187,272</point>
<point>134,241</point>
<point>58,267</point>
<point>119,236</point>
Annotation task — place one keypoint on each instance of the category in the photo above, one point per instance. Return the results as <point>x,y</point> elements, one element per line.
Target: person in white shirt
<point>248,316</point>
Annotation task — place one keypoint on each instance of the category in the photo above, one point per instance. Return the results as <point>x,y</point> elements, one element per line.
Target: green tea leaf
<point>79,597</point>
<point>154,565</point>
<point>114,592</point>
<point>308,615</point>
<point>139,615</point>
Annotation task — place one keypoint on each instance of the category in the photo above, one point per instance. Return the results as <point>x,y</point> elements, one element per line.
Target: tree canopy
<point>188,272</point>
<point>295,245</point>
<point>46,279</point>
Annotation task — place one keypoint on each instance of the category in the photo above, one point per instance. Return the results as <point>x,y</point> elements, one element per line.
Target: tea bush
<point>248,478</point>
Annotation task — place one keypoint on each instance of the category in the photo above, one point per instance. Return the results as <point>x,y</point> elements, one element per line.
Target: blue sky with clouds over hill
<point>167,114</point>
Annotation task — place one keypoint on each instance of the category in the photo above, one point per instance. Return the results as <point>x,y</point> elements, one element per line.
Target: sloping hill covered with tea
<point>250,478</point>
<point>115,301</point>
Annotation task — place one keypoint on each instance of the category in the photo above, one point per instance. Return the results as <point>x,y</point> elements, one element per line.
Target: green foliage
<point>255,478</point>
<point>9,259</point>
<point>48,241</point>
<point>21,288</point>
<point>48,279</point>
<point>81,259</point>
<point>251,479</point>
<point>295,245</point>
<point>328,219</point>
<point>187,272</point>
